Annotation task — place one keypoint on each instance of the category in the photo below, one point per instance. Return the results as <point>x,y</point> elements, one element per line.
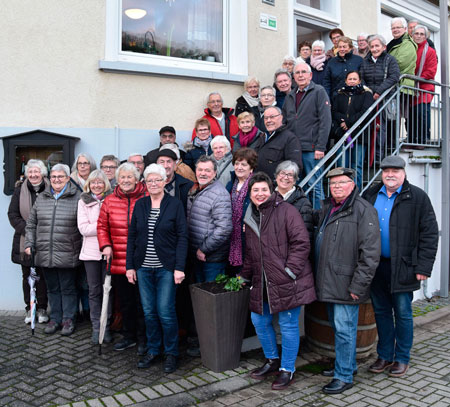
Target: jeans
<point>344,321</point>
<point>82,288</point>
<point>290,335</point>
<point>40,286</point>
<point>157,289</point>
<point>395,330</point>
<point>95,274</point>
<point>308,164</point>
<point>354,158</point>
<point>206,271</point>
<point>62,293</point>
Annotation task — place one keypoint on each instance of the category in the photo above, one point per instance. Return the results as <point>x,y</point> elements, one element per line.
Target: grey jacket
<point>312,122</point>
<point>209,221</point>
<point>347,250</point>
<point>224,168</point>
<point>52,229</point>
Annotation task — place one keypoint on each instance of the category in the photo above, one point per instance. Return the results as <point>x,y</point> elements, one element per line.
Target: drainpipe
<point>426,162</point>
<point>117,140</point>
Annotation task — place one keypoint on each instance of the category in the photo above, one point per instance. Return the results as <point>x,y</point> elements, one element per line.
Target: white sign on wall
<point>268,22</point>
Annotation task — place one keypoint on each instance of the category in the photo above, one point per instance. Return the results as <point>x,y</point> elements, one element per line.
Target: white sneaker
<point>28,317</point>
<point>42,316</point>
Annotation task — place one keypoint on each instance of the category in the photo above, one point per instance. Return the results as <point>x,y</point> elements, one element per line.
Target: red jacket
<point>113,221</point>
<point>428,72</point>
<point>277,252</point>
<point>231,125</point>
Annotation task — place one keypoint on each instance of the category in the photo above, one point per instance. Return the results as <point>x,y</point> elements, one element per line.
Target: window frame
<point>235,44</point>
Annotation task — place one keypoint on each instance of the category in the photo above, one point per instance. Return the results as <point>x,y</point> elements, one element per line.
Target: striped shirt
<point>151,258</point>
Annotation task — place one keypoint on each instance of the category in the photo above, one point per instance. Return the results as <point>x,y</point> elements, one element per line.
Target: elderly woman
<point>112,231</point>
<point>222,156</point>
<point>244,162</point>
<point>318,61</point>
<point>22,201</point>
<point>286,177</point>
<point>288,63</point>
<point>83,165</point>
<point>96,188</point>
<point>426,66</point>
<point>345,61</point>
<point>201,143</point>
<point>276,265</point>
<point>248,133</point>
<point>52,233</point>
<point>156,255</point>
<point>250,98</point>
<point>266,99</point>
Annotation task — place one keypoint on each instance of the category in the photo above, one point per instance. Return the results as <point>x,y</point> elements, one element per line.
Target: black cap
<point>336,172</point>
<point>166,152</point>
<point>168,129</point>
<point>393,161</point>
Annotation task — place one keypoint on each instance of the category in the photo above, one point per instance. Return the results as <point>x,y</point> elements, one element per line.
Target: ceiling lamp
<point>135,13</point>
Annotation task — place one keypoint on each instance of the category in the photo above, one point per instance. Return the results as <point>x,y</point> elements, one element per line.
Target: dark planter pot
<point>220,320</point>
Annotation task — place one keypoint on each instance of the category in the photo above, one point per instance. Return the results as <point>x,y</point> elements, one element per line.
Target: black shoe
<point>142,349</point>
<point>330,372</point>
<point>283,380</point>
<point>124,344</point>
<point>336,386</point>
<point>271,367</point>
<point>170,364</point>
<point>147,361</point>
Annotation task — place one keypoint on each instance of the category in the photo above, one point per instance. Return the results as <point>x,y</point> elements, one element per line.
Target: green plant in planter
<point>230,283</point>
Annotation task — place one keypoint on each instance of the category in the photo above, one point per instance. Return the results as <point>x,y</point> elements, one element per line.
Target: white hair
<point>401,20</point>
<point>88,157</point>
<point>363,35</point>
<point>155,169</point>
<point>61,167</point>
<point>303,63</point>
<point>130,168</point>
<point>289,58</point>
<point>420,26</point>
<point>212,94</point>
<point>378,37</point>
<point>318,43</point>
<point>39,164</point>
<point>220,139</point>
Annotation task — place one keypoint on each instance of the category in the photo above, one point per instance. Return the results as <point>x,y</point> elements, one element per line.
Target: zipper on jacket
<point>50,257</point>
<point>335,230</point>
<point>349,103</point>
<point>262,270</point>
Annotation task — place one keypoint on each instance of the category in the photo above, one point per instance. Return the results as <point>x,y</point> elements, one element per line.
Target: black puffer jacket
<point>52,229</point>
<point>347,248</point>
<point>19,223</point>
<point>414,236</point>
<point>380,75</point>
<point>300,201</point>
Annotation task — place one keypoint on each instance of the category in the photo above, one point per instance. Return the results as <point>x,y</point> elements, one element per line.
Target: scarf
<point>80,181</point>
<point>237,205</point>
<point>287,194</point>
<point>246,138</point>
<point>318,62</point>
<point>252,102</point>
<point>353,90</point>
<point>202,143</point>
<point>394,43</point>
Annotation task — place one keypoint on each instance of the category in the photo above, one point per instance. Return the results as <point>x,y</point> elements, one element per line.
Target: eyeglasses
<point>420,34</point>
<point>283,174</point>
<point>267,95</point>
<point>272,117</point>
<point>304,72</point>
<point>154,181</point>
<point>202,130</point>
<point>58,177</point>
<point>108,167</point>
<point>99,182</point>
<point>136,162</point>
<point>83,164</point>
<point>170,135</point>
<point>397,28</point>
<point>338,183</point>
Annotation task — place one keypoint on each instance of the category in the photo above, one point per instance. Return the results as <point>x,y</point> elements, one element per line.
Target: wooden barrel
<point>320,335</point>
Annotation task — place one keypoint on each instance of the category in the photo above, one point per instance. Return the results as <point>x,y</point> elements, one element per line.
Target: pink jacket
<point>88,212</point>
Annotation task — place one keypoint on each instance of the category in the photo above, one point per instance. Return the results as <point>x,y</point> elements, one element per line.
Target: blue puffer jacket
<point>209,222</point>
<point>337,69</point>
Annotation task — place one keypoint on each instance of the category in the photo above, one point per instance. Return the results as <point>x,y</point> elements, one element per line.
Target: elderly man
<point>347,252</point>
<point>138,161</point>
<point>176,185</point>
<point>278,144</point>
<point>409,241</point>
<point>363,45</point>
<point>109,164</point>
<point>167,135</point>
<point>283,85</point>
<point>209,221</point>
<point>221,119</point>
<point>307,113</point>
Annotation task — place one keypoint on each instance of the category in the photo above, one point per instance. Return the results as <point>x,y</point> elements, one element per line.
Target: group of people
<point>230,204</point>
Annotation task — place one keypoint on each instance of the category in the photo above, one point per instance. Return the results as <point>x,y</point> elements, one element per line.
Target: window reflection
<point>191,29</point>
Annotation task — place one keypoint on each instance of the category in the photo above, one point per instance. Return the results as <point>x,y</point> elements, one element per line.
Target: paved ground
<point>54,370</point>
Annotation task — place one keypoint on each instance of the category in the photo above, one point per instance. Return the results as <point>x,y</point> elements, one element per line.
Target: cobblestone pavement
<point>54,370</point>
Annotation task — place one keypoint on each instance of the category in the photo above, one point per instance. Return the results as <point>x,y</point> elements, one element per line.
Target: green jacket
<point>406,54</point>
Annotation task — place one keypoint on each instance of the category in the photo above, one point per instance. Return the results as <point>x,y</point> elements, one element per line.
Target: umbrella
<point>33,278</point>
<point>105,305</point>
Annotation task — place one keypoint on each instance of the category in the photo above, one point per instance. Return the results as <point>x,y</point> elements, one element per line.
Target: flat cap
<point>393,161</point>
<point>336,172</point>
<point>169,150</point>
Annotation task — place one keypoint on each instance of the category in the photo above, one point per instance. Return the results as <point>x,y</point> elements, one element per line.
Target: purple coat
<point>277,249</point>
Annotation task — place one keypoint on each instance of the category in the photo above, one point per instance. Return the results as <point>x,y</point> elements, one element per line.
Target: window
<point>200,38</point>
